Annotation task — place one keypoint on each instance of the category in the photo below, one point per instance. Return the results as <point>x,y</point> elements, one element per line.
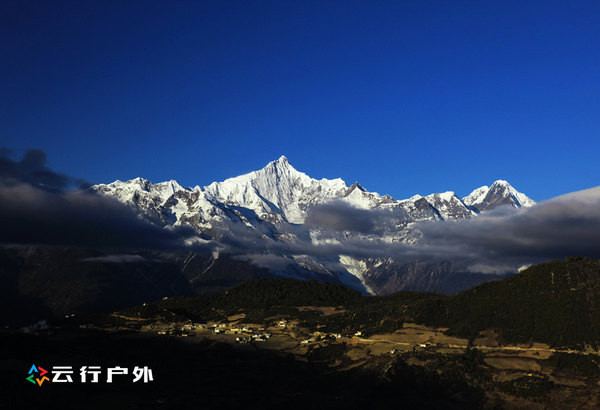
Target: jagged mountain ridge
<point>267,204</point>
<point>279,193</point>
<point>500,193</point>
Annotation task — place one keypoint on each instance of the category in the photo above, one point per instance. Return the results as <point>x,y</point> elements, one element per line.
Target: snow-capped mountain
<point>279,193</point>
<point>271,206</point>
<point>500,193</point>
<point>148,198</point>
<point>449,206</point>
<point>276,190</point>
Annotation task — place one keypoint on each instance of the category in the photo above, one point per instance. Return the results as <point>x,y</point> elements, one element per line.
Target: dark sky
<point>405,96</point>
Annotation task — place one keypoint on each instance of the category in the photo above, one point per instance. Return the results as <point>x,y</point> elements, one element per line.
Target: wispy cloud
<point>36,208</point>
<point>552,229</point>
<point>32,170</point>
<point>339,216</point>
<point>498,241</point>
<point>117,258</point>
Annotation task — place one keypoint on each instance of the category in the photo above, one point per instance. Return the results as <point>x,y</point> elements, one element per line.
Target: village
<point>287,335</point>
<point>247,333</point>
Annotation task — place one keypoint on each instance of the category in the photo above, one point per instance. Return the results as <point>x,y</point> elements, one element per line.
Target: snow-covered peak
<point>136,183</point>
<point>274,172</point>
<point>139,180</point>
<point>499,193</point>
<point>359,197</point>
<point>476,196</point>
<point>126,188</point>
<point>167,188</point>
<point>281,164</point>
<point>356,185</point>
<point>414,198</point>
<point>501,182</point>
<point>279,193</point>
<point>519,199</point>
<point>444,196</point>
<point>277,188</point>
<point>128,191</point>
<point>449,205</point>
<point>502,187</point>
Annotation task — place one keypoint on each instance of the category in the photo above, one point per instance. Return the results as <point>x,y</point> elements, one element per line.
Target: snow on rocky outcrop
<point>280,194</point>
<point>500,193</point>
<point>271,204</point>
<point>277,189</point>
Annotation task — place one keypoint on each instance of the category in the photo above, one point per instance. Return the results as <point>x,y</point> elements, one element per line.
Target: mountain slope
<point>555,302</point>
<point>266,210</point>
<point>277,189</point>
<point>280,194</point>
<point>500,193</point>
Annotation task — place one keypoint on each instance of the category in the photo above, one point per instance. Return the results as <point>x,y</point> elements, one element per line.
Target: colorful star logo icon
<point>41,375</point>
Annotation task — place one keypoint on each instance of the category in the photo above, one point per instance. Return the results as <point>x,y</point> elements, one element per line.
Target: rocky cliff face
<point>279,207</point>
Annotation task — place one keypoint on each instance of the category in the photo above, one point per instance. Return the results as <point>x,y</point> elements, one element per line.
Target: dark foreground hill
<point>336,348</point>
<point>49,282</point>
<point>557,303</point>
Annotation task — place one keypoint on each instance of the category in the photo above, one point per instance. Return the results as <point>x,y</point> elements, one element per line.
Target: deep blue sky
<point>404,96</point>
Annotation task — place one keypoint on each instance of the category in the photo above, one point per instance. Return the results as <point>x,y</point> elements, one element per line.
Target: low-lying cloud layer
<point>35,208</point>
<point>498,241</point>
<point>120,258</point>
<point>32,170</point>
<point>339,216</point>
<point>564,226</point>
